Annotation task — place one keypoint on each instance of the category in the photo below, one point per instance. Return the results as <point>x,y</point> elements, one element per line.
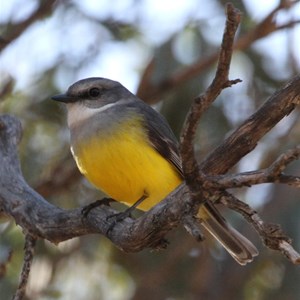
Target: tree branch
<point>245,138</point>
<point>205,187</point>
<point>201,104</point>
<point>271,234</point>
<point>28,258</point>
<point>271,174</point>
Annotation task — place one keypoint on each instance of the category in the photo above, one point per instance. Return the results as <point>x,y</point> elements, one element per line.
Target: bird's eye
<point>94,92</point>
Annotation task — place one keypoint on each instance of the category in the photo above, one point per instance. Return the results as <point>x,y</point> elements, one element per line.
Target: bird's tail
<point>240,248</point>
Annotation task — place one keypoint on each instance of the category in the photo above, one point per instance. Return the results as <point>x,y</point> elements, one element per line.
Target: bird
<point>127,149</point>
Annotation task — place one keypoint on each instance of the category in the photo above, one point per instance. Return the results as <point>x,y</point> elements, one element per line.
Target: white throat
<point>78,113</point>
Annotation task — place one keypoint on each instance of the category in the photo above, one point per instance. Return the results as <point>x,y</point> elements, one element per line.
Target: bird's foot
<point>86,209</point>
<point>119,217</point>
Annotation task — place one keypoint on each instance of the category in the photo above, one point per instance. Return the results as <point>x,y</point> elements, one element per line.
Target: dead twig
<point>271,234</point>
<point>28,258</point>
<point>274,173</point>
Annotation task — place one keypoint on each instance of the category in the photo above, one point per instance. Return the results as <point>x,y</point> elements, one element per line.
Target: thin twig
<point>28,258</point>
<point>271,174</point>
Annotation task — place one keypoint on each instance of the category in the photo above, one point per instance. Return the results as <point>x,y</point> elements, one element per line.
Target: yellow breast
<point>125,166</point>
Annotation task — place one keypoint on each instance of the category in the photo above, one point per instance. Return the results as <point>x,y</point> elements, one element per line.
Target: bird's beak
<point>64,98</point>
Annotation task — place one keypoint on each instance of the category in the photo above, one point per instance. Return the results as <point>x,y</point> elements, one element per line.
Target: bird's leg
<point>127,213</point>
<point>104,201</point>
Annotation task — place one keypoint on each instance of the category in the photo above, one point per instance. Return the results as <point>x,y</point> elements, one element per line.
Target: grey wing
<point>161,136</point>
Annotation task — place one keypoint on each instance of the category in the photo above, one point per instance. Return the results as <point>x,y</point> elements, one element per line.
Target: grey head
<point>94,92</point>
<point>86,98</point>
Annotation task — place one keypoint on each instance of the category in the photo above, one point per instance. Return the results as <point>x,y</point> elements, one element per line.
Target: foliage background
<point>70,40</point>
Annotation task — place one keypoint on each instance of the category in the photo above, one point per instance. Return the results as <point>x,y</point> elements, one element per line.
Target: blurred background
<point>166,52</point>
